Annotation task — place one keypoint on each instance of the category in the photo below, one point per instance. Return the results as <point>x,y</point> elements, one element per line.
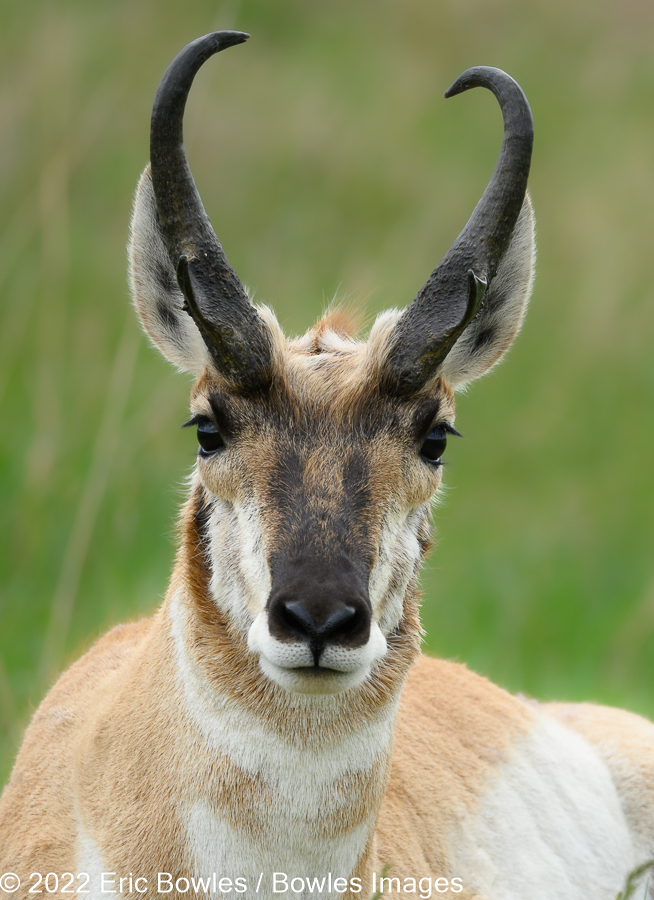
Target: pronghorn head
<point>319,457</point>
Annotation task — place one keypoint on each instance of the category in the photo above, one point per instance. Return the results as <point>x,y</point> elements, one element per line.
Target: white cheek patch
<point>240,577</point>
<point>396,566</point>
<point>241,584</point>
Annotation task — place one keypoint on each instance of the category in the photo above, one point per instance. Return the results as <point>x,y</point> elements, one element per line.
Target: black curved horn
<point>429,327</point>
<point>233,331</point>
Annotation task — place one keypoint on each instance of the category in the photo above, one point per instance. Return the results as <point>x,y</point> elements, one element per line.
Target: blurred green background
<point>330,163</point>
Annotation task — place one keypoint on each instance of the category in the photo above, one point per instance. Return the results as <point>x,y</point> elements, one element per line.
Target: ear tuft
<point>492,331</point>
<point>156,294</point>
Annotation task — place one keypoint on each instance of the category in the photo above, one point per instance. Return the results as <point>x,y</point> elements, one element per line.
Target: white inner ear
<point>157,297</point>
<point>494,328</point>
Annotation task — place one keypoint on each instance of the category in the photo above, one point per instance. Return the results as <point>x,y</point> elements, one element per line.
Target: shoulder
<point>39,789</point>
<point>77,694</point>
<point>523,797</point>
<point>105,659</point>
<point>459,700</point>
<point>461,727</point>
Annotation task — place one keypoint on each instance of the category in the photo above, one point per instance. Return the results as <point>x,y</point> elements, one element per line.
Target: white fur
<point>549,825</point>
<point>396,565</point>
<point>240,576</point>
<point>230,729</point>
<point>241,583</point>
<point>292,850</point>
<point>89,861</point>
<point>297,654</point>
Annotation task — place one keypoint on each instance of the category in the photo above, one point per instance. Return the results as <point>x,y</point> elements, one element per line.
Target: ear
<point>491,332</point>
<point>156,294</point>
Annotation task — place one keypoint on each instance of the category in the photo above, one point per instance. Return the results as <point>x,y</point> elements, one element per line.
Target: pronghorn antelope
<point>273,730</point>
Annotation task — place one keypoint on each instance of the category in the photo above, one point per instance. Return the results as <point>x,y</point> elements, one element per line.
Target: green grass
<point>329,162</point>
<point>635,880</point>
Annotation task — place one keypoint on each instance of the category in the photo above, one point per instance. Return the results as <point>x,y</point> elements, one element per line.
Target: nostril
<point>351,623</point>
<point>295,619</point>
<point>296,614</point>
<point>340,622</point>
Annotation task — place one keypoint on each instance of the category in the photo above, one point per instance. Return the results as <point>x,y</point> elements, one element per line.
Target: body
<point>494,795</point>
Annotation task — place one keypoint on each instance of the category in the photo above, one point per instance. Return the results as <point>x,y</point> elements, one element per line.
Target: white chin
<point>312,680</point>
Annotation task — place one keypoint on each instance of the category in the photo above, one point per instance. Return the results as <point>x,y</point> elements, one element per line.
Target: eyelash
<point>209,438</point>
<point>433,448</point>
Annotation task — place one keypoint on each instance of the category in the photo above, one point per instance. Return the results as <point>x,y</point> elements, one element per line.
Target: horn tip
<point>461,84</point>
<point>230,38</point>
<point>477,76</point>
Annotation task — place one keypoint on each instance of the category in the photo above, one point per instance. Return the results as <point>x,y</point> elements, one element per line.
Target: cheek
<point>223,477</point>
<point>396,566</point>
<point>240,576</point>
<point>421,481</point>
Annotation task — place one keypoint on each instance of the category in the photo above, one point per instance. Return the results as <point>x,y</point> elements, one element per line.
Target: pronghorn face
<point>319,457</point>
<point>319,489</point>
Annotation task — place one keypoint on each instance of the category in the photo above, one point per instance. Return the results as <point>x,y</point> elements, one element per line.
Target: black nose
<point>319,614</point>
<point>301,618</point>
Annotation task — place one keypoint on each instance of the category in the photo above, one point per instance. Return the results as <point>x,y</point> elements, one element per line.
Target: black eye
<point>434,446</point>
<point>209,438</point>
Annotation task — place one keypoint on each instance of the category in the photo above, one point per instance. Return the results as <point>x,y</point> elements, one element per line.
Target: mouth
<point>314,679</point>
<point>317,670</point>
<point>299,669</point>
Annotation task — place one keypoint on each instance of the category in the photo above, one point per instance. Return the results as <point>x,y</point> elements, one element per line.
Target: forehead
<point>325,377</point>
